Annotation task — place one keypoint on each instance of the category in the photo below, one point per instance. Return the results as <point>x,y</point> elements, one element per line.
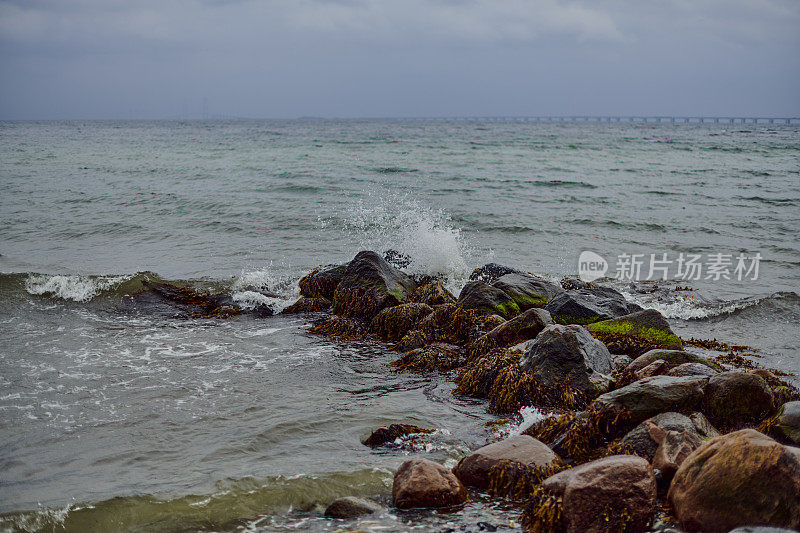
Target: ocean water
<point>117,415</point>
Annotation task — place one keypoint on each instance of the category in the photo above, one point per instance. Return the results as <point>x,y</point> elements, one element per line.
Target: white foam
<point>71,287</point>
<point>686,308</point>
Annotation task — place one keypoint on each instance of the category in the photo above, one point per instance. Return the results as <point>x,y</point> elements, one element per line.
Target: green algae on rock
<point>636,333</point>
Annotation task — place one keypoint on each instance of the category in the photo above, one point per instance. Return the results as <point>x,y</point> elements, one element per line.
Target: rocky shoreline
<point>643,435</point>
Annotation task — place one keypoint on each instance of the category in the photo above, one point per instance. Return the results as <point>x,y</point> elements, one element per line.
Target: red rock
<point>473,469</point>
<point>423,483</point>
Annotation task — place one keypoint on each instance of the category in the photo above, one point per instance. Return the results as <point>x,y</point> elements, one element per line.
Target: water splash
<point>72,287</point>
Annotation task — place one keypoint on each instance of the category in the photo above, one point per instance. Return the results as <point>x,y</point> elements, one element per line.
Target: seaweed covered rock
<point>452,324</point>
<point>568,356</point>
<point>616,493</point>
<point>636,333</point>
<point>432,293</point>
<point>520,328</point>
<point>487,300</point>
<point>641,440</point>
<point>588,305</point>
<point>473,470</point>
<point>351,507</point>
<point>369,285</point>
<point>491,271</point>
<point>439,356</point>
<point>673,358</point>
<point>308,305</point>
<point>388,434</point>
<point>526,290</point>
<point>737,398</point>
<point>322,282</point>
<point>420,483</point>
<point>340,326</point>
<point>394,322</point>
<point>411,341</point>
<point>787,423</point>
<point>738,479</point>
<point>189,302</point>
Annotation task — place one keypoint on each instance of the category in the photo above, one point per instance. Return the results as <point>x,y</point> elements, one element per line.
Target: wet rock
<point>620,361</point>
<point>738,479</point>
<point>761,529</point>
<point>453,324</point>
<point>322,282</point>
<point>611,494</point>
<point>648,397</point>
<point>703,426</point>
<point>192,303</point>
<point>692,369</point>
<point>351,507</point>
<point>308,305</point>
<point>520,328</point>
<point>473,470</point>
<point>420,483</point>
<point>636,333</point>
<point>568,356</point>
<point>412,340</point>
<point>394,322</point>
<point>588,305</point>
<point>432,294</point>
<point>487,300</point>
<point>656,368</point>
<point>673,358</point>
<point>340,326</point>
<point>369,285</point>
<point>526,290</point>
<point>640,438</point>
<point>674,447</point>
<point>388,434</point>
<point>491,271</point>
<point>787,424</point>
<point>737,398</point>
<point>439,356</point>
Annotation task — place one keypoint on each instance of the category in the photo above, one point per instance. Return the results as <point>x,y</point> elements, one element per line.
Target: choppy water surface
<point>117,416</point>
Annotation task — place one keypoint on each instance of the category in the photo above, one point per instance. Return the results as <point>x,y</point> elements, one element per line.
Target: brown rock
<point>734,399</point>
<point>389,434</point>
<point>351,507</point>
<point>692,369</point>
<point>616,492</point>
<point>657,367</point>
<point>520,328</point>
<point>394,322</point>
<point>738,479</point>
<point>423,483</point>
<point>673,449</point>
<point>473,469</point>
<point>308,305</point>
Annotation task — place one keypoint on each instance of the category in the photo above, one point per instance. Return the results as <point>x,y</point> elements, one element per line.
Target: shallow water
<point>117,415</point>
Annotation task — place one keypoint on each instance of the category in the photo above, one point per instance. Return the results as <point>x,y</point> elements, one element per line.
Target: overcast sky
<point>397,58</point>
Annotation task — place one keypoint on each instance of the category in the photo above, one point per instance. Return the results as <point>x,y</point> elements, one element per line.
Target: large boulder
<point>432,293</point>
<point>486,299</point>
<point>673,358</point>
<point>520,328</point>
<point>636,333</point>
<point>423,483</point>
<point>742,478</point>
<point>526,290</point>
<point>585,306</point>
<point>308,305</point>
<point>369,285</point>
<point>351,507</point>
<point>322,282</point>
<point>615,493</point>
<point>394,322</point>
<point>648,397</point>
<point>473,470</point>
<point>567,356</point>
<point>640,438</point>
<point>734,399</point>
<point>787,423</point>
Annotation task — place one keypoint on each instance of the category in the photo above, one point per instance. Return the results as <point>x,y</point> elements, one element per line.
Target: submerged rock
<point>636,333</point>
<point>787,423</point>
<point>487,300</point>
<point>439,356</point>
<point>588,305</point>
<point>738,479</point>
<point>394,322</point>
<point>520,328</point>
<point>568,357</point>
<point>369,285</point>
<point>388,434</point>
<point>340,326</point>
<point>308,305</point>
<point>473,470</point>
<point>527,291</point>
<point>352,507</point>
<point>737,398</point>
<point>420,483</point>
<point>322,282</point>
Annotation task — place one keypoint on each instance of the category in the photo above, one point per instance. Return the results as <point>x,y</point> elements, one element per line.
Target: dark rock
<point>412,340</point>
<point>340,326</point>
<point>487,300</point>
<point>439,356</point>
<point>585,306</point>
<point>308,305</point>
<point>520,328</point>
<point>573,284</point>
<point>620,361</point>
<point>398,259</point>
<point>656,368</point>
<point>351,507</point>
<point>787,424</point>
<point>673,358</point>
<point>641,441</point>
<point>738,479</point>
<point>491,271</point>
<point>526,290</point>
<point>394,322</point>
<point>388,434</point>
<point>322,282</point>
<point>737,398</point>
<point>192,303</point>
<point>609,494</point>
<point>420,483</point>
<point>637,333</point>
<point>473,470</point>
<point>432,294</point>
<point>761,529</point>
<point>692,369</point>
<point>453,324</point>
<point>569,356</point>
<point>369,285</point>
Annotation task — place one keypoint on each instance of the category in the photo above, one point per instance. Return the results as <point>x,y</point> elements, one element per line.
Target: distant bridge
<point>632,118</point>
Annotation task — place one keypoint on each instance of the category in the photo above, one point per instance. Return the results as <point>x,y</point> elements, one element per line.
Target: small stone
<point>388,434</point>
<point>351,507</point>
<point>788,422</point>
<point>421,483</point>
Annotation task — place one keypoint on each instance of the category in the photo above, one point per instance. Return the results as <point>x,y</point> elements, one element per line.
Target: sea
<point>118,416</point>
